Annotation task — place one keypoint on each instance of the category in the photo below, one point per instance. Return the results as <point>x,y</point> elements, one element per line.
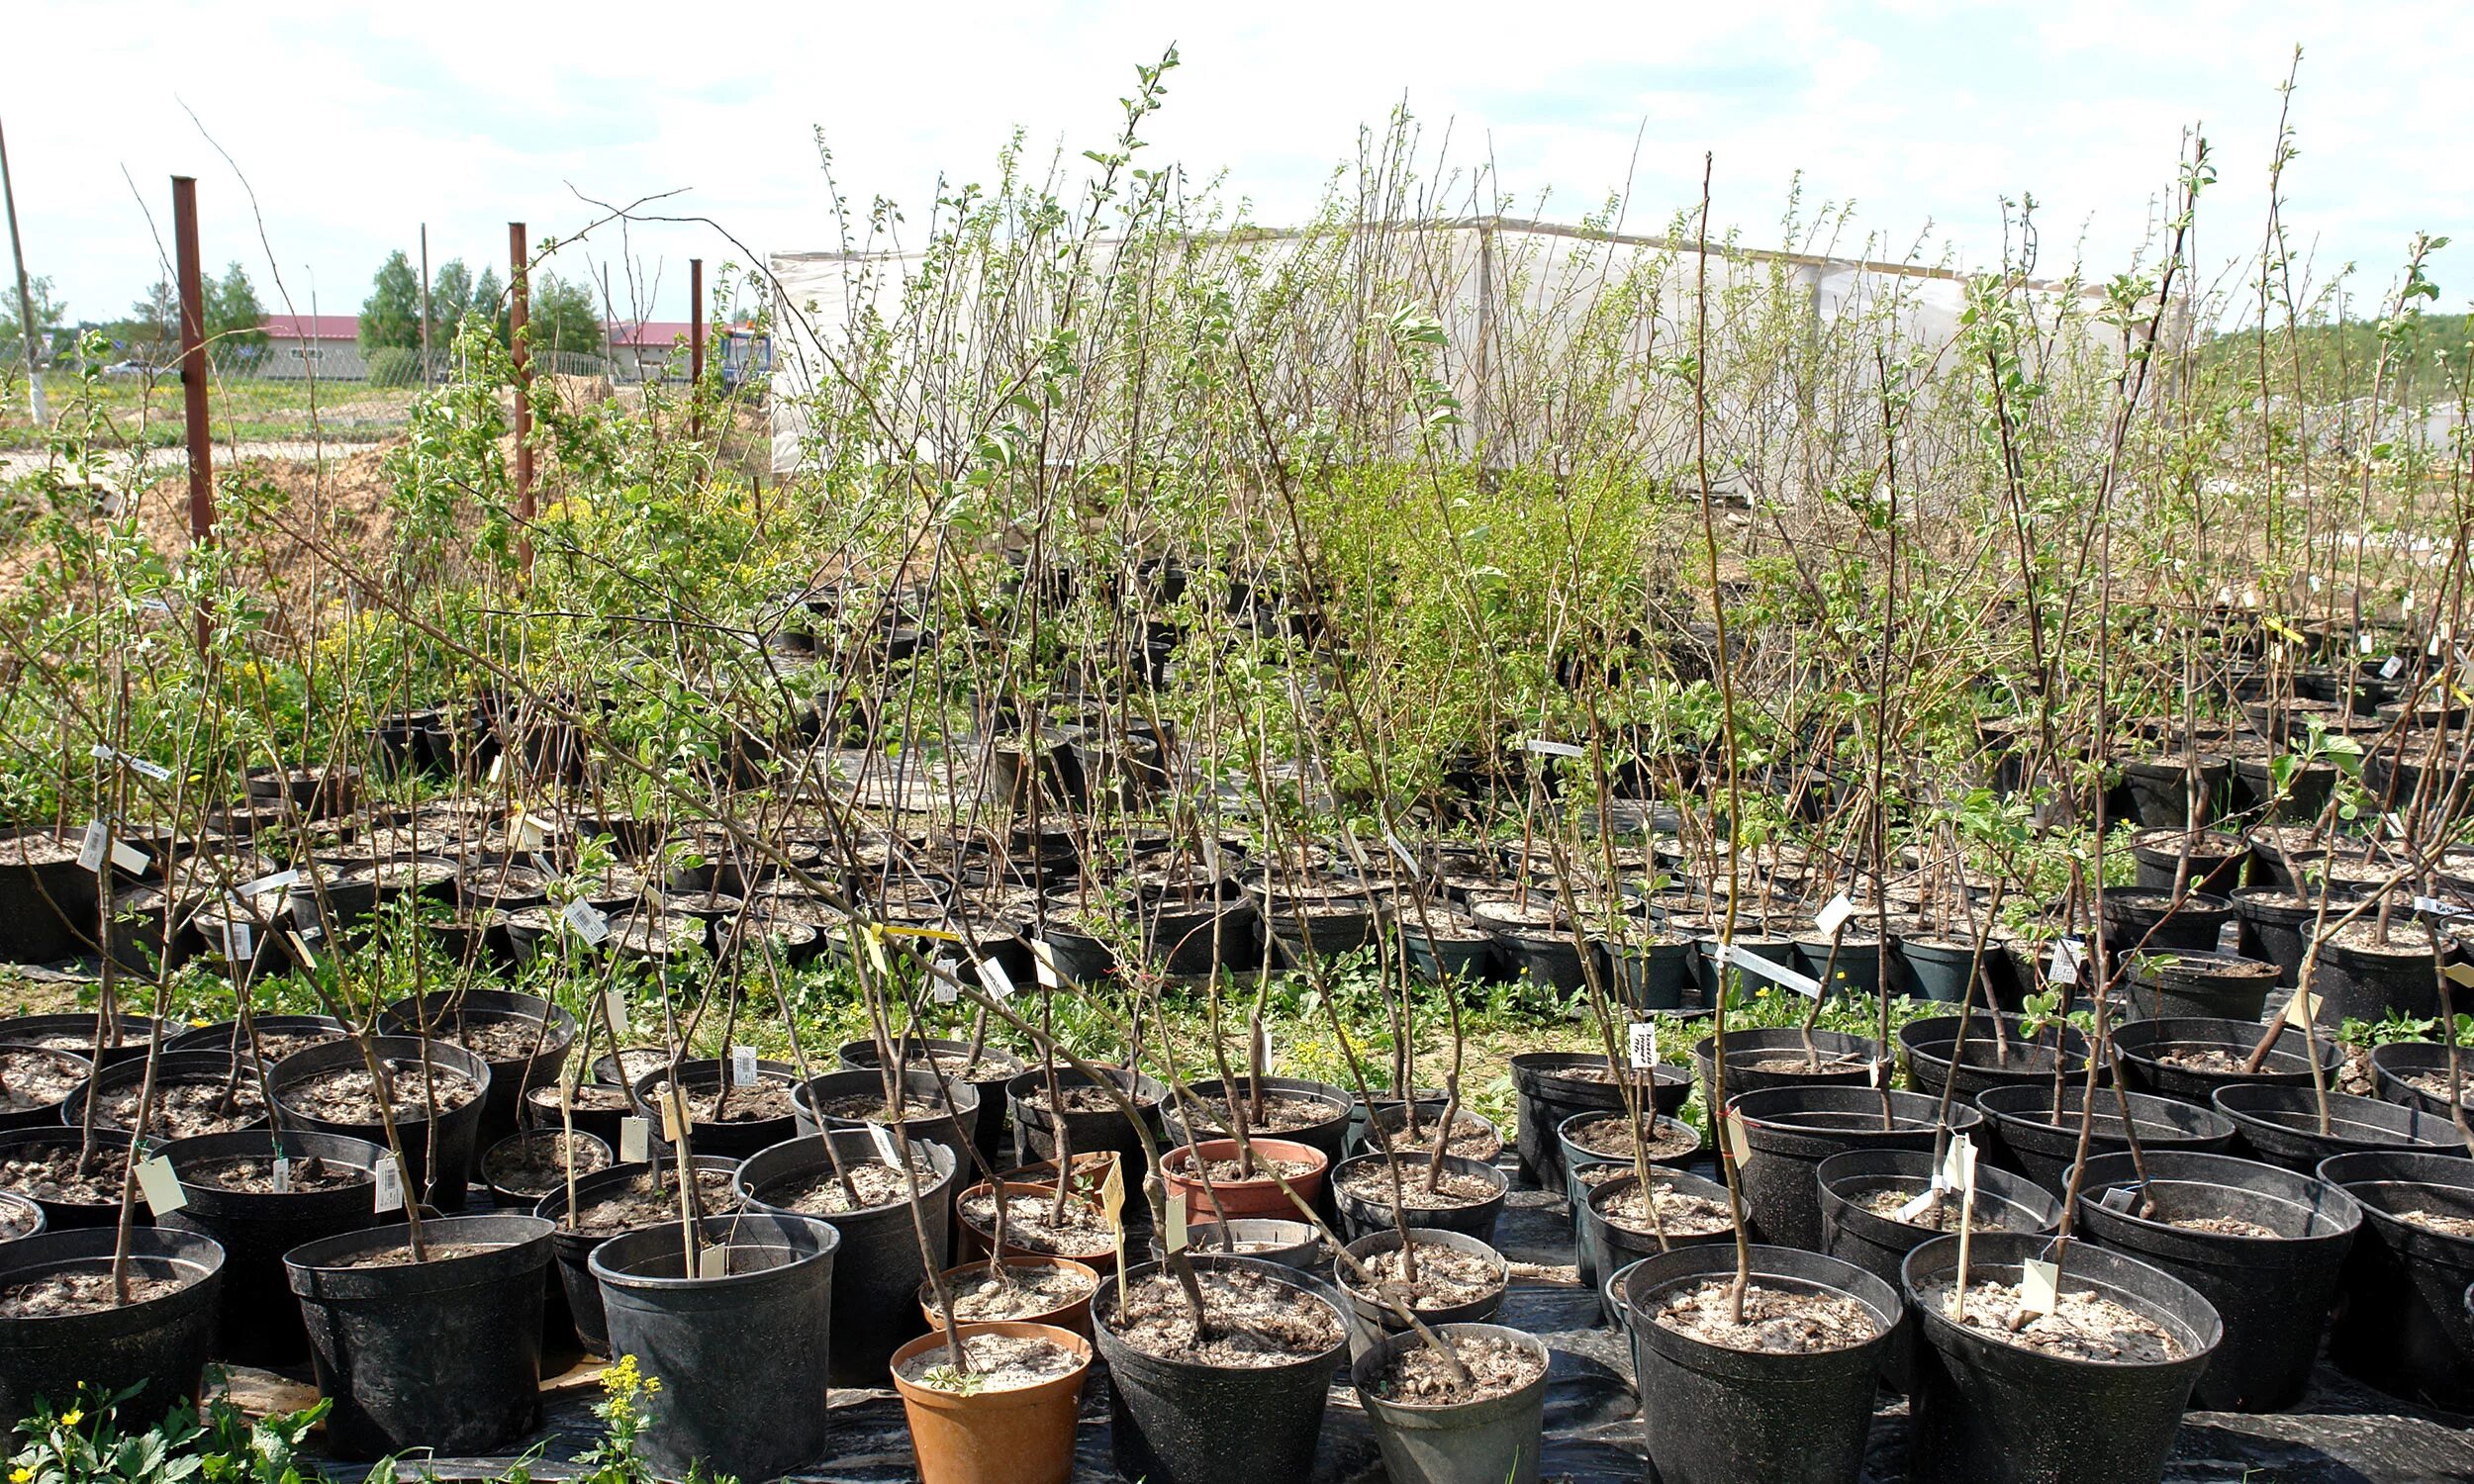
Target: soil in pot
<point>1778,1321</point>
<point>61,1321</point>
<point>1256,1321</point>
<point>1449,1280</point>
<point>1680,1213</point>
<point>1033,1226</point>
<point>2083,1325</point>
<point>1473,1137</point>
<point>817,1192</point>
<point>195,1093</point>
<point>2403,1325</point>
<point>1609,1135</point>
<point>1497,1365</point>
<point>1457,1187</point>
<point>1437,1427</point>
<point>998,1362</point>
<point>75,1186</point>
<point>1038,1290</point>
<point>533,1164</point>
<point>35,1081</point>
<point>346,1095</point>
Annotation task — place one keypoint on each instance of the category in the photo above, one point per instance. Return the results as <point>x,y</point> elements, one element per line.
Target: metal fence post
<point>695,345</point>
<point>193,369</point>
<point>517,312</point>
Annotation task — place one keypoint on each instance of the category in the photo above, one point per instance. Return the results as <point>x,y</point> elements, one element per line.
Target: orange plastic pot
<point>976,1239</point>
<point>1075,1316</point>
<point>1239,1199</point>
<point>1024,1436</point>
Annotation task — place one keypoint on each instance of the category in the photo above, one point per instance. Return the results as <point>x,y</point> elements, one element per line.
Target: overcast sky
<point>357,123</point>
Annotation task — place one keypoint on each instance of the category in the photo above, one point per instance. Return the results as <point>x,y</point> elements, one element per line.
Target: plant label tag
<point>2069,957</point>
<point>155,771</point>
<point>390,1185</point>
<point>301,950</point>
<point>129,858</point>
<point>1959,1166</point>
<point>2039,1286</point>
<point>2224,596</point>
<point>2362,643</point>
<point>941,988</point>
<point>1920,1205</point>
<point>1210,846</point>
<point>1400,848</point>
<point>281,880</point>
<point>94,847</point>
<point>742,1067</point>
<point>714,1262</point>
<point>2315,582</point>
<point>1262,1046</point>
<point>2433,906</point>
<point>588,921</point>
<point>2461,976</point>
<point>1175,1242</point>
<point>1753,964</point>
<point>2406,605</point>
<point>529,835</point>
<point>2305,1005</point>
<point>2395,662</point>
<point>1546,749</point>
<point>676,1123</point>
<point>283,1174</point>
<point>1834,916</point>
<point>162,1186</point>
<point>1641,1041</point>
<point>1738,1143</point>
<point>1112,1193</point>
<point>1049,977</point>
<point>635,1140</point>
<point>885,1149</point>
<point>2396,823</point>
<point>1881,1070</point>
<point>237,941</point>
<point>498,768</point>
<point>996,981</point>
<point>2229,938</point>
<point>615,1005</point>
<point>2117,1199</point>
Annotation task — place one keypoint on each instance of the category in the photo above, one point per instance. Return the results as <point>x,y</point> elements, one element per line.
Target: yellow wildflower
<point>20,1474</point>
<point>72,1416</point>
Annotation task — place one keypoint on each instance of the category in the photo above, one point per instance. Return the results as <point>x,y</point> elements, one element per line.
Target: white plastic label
<point>2117,1199</point>
<point>238,940</point>
<point>941,988</point>
<point>996,981</point>
<point>1049,977</point>
<point>1176,1241</point>
<point>129,858</point>
<point>2396,663</point>
<point>1641,1040</point>
<point>1920,1205</point>
<point>2433,906</point>
<point>1262,1046</point>
<point>1738,1143</point>
<point>615,1005</point>
<point>2362,643</point>
<point>1753,962</point>
<point>1959,1166</point>
<point>676,1121</point>
<point>2069,957</point>
<point>1399,847</point>
<point>155,771</point>
<point>885,1150</point>
<point>390,1185</point>
<point>2461,976</point>
<point>1834,916</point>
<point>1545,748</point>
<point>281,880</point>
<point>2305,1005</point>
<point>529,835</point>
<point>2039,1286</point>
<point>587,920</point>
<point>162,1186</point>
<point>92,849</point>
<point>2396,823</point>
<point>742,1067</point>
<point>714,1262</point>
<point>299,947</point>
<point>635,1140</point>
<point>283,1174</point>
<point>2315,582</point>
<point>2229,938</point>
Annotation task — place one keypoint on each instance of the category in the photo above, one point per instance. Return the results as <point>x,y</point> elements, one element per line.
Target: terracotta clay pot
<point>1021,1436</point>
<point>1239,1199</point>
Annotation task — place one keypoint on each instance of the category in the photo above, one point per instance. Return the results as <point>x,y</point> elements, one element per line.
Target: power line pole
<point>25,298</point>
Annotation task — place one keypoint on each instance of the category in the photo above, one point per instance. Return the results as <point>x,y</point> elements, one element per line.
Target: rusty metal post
<point>694,345</point>
<point>518,311</point>
<point>193,369</point>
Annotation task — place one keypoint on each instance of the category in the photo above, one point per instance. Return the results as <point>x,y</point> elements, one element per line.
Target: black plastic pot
<point>458,1129</point>
<point>1552,960</point>
<point>1989,1412</point>
<point>2216,862</point>
<point>1719,1416</point>
<point>2031,1138</point>
<point>2144,1043</point>
<point>1330,1136</point>
<point>47,907</point>
<point>19,1217</point>
<point>1649,975</point>
<point>1549,1095</point>
<point>1034,1137</point>
<point>2152,919</point>
<point>2275,930</point>
<point>185,1069</point>
<point>1852,971</point>
<point>736,1138</point>
<point>989,1130</point>
<point>161,1342</point>
<point>1491,1441</point>
<point>2370,983</point>
<point>960,1101</point>
<point>1880,1245</point>
<point>1178,1421</point>
<point>2187,984</point>
<point>2272,1294</point>
<point>509,1076</point>
<point>2281,1125</point>
<point>2402,1325</point>
<point>1746,1048</point>
<point>1791,1130</point>
<point>1183,937</point>
<point>1602,1246</point>
<point>443,1355</point>
<point>1998,1052</point>
<point>1577,1157</point>
<point>745,1357</point>
<point>1934,970</point>
<point>225,1035</point>
<point>2397,1060</point>
<point>573,1251</point>
<point>70,1108</point>
<point>1466,958</point>
<point>78,1029</point>
<point>1360,1217</point>
<point>2161,791</point>
<point>1376,1315</point>
<point>878,1269</point>
<point>258,1321</point>
<point>60,1215</point>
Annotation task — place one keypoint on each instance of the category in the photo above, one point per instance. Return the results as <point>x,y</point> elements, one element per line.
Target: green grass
<point>148,413</point>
